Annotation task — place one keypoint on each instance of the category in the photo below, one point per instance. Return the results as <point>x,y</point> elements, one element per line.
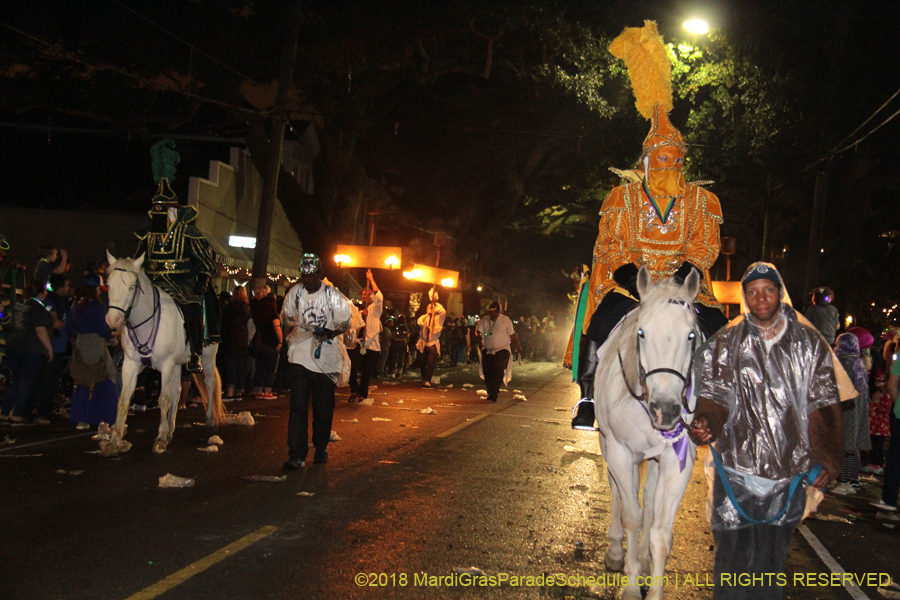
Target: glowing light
<point>697,26</point>
<point>342,259</point>
<point>448,282</point>
<point>848,321</point>
<point>412,274</point>
<point>479,288</point>
<point>237,241</point>
<point>392,262</point>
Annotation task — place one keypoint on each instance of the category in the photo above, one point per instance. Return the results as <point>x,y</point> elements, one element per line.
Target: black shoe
<point>294,463</point>
<point>492,398</point>
<point>583,415</point>
<point>321,456</point>
<point>194,365</point>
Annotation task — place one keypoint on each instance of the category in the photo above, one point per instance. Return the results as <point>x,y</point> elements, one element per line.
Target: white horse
<point>641,402</point>
<point>154,336</point>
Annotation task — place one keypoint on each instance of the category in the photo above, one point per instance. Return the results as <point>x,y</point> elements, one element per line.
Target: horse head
<point>123,278</point>
<point>664,335</point>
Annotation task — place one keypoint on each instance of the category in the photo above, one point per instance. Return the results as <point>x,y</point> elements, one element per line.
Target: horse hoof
<point>613,564</point>
<point>159,446</point>
<point>108,450</point>
<point>632,593</point>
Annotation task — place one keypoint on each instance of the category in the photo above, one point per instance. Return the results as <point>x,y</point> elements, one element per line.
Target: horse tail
<point>218,406</point>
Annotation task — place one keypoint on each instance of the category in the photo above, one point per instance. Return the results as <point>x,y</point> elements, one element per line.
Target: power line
<point>63,53</point>
<point>866,121</point>
<point>188,44</point>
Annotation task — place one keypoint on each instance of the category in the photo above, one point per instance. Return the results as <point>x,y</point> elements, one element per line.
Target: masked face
<point>663,168</point>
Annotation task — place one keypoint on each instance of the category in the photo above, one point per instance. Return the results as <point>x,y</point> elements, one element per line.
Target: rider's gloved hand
<point>626,277</point>
<point>683,271</point>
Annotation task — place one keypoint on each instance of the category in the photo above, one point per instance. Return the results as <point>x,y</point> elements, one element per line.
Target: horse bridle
<point>145,349</point>
<point>643,375</point>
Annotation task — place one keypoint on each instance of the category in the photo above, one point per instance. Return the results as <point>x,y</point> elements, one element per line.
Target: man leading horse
<point>178,258</point>
<point>656,220</point>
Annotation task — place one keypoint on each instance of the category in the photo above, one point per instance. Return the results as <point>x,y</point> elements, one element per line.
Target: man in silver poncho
<point>769,399</point>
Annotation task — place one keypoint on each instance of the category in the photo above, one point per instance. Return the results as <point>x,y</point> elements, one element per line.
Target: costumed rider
<point>178,258</point>
<point>655,219</point>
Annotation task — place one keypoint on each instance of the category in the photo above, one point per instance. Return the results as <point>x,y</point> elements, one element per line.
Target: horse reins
<point>643,375</point>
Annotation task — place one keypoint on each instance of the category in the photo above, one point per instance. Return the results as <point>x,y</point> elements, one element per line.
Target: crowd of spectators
<point>60,356</point>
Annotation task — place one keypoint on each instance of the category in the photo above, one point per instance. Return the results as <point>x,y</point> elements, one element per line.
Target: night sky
<point>476,158</point>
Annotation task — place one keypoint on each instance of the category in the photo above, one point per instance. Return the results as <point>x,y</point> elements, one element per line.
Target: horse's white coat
<point>129,287</point>
<point>627,436</point>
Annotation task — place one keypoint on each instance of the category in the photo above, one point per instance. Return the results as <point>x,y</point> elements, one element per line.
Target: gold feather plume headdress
<point>644,54</point>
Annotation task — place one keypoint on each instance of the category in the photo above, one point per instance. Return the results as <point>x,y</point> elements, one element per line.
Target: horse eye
<point>692,335</point>
<point>640,333</point>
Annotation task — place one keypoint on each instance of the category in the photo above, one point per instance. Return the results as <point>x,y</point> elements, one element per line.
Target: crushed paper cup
<point>173,481</point>
<point>380,419</point>
<point>368,402</point>
<point>350,421</point>
<point>334,436</point>
<point>400,401</point>
<point>520,397</point>
<point>242,418</point>
<point>212,448</point>
<point>305,494</point>
<point>468,385</point>
<point>384,404</point>
<point>215,440</point>
<point>266,478</point>
<point>428,411</point>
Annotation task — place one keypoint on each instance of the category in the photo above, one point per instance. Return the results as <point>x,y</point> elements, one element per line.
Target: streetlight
<point>697,26</point>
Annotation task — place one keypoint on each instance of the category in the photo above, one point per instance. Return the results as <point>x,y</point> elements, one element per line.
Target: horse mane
<point>623,337</point>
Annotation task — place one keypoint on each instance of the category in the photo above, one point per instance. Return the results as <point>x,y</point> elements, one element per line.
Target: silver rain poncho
<point>769,394</point>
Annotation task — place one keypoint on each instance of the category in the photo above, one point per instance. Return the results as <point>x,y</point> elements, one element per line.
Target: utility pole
<point>276,140</point>
<point>814,253</point>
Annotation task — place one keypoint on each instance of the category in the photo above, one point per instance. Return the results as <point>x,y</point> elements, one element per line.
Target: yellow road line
<point>201,565</point>
<point>471,421</point>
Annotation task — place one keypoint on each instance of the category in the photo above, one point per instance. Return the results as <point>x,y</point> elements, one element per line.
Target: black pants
<point>309,386</point>
<point>47,390</point>
<point>891,486</point>
<point>609,313</point>
<point>193,326</point>
<point>362,367</point>
<point>397,359</point>
<point>429,359</point>
<point>753,550</point>
<point>494,366</point>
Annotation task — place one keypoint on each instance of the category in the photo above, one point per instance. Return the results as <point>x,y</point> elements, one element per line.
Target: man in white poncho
<point>314,314</point>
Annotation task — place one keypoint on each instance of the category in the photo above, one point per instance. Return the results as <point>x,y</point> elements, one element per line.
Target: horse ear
<point>139,261</point>
<point>691,285</point>
<point>110,258</point>
<point>643,281</point>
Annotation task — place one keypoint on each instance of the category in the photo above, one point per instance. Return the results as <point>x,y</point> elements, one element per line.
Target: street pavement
<point>400,510</point>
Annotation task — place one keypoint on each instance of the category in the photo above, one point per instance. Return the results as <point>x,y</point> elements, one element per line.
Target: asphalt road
<point>400,505</point>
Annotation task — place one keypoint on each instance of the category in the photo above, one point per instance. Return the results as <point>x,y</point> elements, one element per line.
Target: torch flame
<point>448,283</point>
<point>415,273</point>
<point>392,261</point>
<point>342,259</point>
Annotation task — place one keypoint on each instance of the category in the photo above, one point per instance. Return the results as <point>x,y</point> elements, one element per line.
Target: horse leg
<point>614,559</point>
<point>212,394</point>
<point>130,371</point>
<point>670,489</point>
<point>169,393</point>
<point>647,503</point>
<point>625,471</point>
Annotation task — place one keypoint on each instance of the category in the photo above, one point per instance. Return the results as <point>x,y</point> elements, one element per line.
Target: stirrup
<point>583,415</point>
<point>194,365</point>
